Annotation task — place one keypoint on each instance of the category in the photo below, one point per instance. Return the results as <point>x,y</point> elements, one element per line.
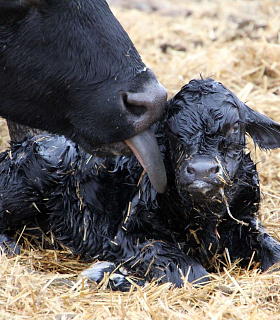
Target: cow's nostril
<point>133,106</point>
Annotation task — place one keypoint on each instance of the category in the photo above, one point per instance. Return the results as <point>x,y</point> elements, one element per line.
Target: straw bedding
<point>237,43</point>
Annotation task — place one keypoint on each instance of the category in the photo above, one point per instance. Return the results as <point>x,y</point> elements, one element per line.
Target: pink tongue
<point>146,149</point>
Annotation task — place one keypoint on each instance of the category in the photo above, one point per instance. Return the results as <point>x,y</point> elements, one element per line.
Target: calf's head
<point>68,67</point>
<point>206,127</point>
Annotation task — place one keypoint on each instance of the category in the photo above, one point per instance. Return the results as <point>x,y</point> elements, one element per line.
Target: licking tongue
<point>146,149</point>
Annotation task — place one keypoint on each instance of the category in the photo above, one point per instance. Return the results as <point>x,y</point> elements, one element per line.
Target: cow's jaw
<point>143,145</point>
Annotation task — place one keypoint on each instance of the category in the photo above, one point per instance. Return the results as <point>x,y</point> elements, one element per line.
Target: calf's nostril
<point>215,169</point>
<point>190,170</point>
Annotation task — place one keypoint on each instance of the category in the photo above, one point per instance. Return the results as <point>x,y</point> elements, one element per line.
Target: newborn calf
<point>106,208</point>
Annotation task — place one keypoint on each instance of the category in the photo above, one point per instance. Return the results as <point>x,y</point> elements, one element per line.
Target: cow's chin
<point>111,150</point>
<point>144,146</point>
<point>101,150</point>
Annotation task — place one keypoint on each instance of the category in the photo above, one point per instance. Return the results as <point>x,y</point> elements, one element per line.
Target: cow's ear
<point>264,131</point>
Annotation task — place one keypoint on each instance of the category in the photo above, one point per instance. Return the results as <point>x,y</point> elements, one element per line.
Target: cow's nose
<point>146,106</point>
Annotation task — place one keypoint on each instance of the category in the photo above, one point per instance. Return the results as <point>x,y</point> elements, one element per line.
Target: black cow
<point>106,208</point>
<point>69,68</point>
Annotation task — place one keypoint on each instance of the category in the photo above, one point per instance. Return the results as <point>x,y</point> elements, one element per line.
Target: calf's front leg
<point>249,241</point>
<point>147,261</point>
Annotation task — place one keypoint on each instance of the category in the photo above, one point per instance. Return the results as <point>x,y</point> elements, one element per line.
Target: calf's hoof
<point>120,278</point>
<point>117,277</point>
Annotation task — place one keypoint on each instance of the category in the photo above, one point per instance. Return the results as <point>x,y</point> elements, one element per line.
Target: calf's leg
<point>147,261</point>
<point>249,241</point>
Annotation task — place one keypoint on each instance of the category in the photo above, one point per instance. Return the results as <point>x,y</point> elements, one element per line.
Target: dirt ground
<point>237,43</point>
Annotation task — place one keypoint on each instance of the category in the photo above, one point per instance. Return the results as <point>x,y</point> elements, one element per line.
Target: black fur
<point>106,208</point>
<point>69,68</point>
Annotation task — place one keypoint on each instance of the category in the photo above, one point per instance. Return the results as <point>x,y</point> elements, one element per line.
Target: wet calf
<point>213,178</point>
<point>106,208</point>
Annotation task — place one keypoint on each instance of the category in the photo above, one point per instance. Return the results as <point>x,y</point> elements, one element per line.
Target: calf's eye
<point>235,128</point>
<point>223,146</point>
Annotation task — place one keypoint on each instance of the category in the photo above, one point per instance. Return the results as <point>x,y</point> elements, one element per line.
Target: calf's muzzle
<point>201,175</point>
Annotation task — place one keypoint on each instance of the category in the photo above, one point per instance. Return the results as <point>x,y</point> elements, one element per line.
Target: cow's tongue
<point>146,149</point>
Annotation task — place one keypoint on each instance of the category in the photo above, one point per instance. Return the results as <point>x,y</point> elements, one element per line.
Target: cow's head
<point>206,126</point>
<point>68,67</point>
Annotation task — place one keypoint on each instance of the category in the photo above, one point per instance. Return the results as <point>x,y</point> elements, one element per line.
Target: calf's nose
<point>203,169</point>
<point>201,175</point>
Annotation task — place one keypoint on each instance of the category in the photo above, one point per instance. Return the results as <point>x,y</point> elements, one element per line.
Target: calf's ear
<point>264,131</point>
